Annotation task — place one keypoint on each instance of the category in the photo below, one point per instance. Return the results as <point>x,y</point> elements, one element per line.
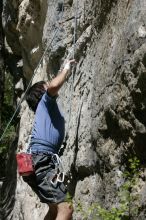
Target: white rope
<point>73,69</point>
<point>21,100</point>
<point>75,29</point>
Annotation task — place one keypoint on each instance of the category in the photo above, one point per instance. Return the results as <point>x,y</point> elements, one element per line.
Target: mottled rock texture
<point>1,62</point>
<point>1,82</point>
<point>107,124</point>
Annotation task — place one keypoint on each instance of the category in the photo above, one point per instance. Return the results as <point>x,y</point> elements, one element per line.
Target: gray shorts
<point>41,181</point>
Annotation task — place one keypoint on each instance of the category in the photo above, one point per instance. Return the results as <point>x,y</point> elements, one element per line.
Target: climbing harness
<point>55,159</point>
<point>29,84</point>
<point>59,176</point>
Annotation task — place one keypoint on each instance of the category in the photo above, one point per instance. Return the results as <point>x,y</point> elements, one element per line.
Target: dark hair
<point>35,94</point>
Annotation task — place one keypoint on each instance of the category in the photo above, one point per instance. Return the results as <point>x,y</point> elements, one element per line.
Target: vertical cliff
<point>1,62</point>
<point>1,81</point>
<point>107,123</point>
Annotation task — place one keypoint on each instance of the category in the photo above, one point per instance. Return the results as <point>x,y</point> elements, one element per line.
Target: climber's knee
<point>65,211</point>
<point>52,213</point>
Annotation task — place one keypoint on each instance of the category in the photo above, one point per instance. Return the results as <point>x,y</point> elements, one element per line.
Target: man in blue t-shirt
<point>46,139</point>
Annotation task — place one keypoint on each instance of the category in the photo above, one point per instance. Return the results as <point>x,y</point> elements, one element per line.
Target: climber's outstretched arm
<point>54,86</point>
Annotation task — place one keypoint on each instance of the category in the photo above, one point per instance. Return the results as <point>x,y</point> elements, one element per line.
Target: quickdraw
<point>59,176</point>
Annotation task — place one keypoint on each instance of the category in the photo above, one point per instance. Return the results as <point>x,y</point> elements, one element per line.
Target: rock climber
<point>47,136</point>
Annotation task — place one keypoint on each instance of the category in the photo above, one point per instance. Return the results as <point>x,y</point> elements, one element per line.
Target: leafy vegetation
<point>6,113</point>
<point>126,208</point>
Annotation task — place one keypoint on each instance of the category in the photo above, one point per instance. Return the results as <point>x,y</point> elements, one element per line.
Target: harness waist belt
<point>46,146</point>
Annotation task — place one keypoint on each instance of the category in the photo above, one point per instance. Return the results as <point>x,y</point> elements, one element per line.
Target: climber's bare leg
<point>61,211</point>
<point>52,213</point>
<point>65,211</point>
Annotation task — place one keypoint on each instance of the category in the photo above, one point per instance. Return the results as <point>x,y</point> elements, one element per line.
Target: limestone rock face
<point>1,84</point>
<point>1,64</point>
<point>106,94</point>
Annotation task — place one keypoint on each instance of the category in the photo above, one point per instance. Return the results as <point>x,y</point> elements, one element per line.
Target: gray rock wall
<point>108,108</point>
<point>1,85</point>
<point>1,62</point>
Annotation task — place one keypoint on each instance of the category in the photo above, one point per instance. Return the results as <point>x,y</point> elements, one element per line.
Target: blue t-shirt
<point>49,123</point>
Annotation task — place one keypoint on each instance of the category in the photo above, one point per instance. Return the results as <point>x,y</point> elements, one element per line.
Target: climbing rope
<point>75,29</point>
<point>73,69</point>
<point>35,71</point>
